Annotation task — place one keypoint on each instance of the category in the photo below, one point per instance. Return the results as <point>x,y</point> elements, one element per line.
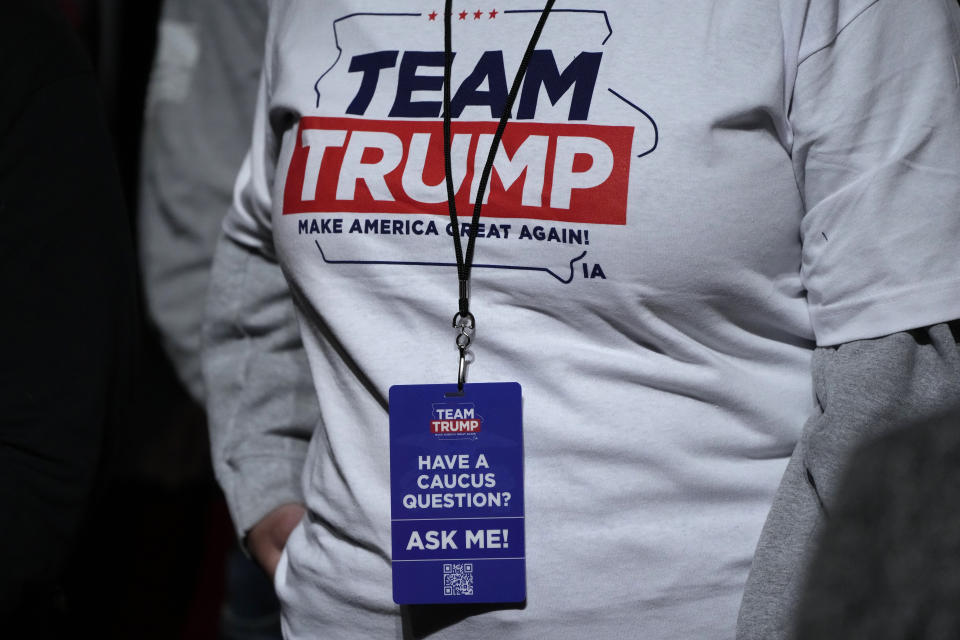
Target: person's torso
<point>637,272</point>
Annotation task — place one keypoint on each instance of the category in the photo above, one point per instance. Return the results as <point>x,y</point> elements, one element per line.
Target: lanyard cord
<point>463,319</point>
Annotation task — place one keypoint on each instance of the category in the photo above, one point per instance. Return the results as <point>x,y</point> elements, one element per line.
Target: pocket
<point>279,576</point>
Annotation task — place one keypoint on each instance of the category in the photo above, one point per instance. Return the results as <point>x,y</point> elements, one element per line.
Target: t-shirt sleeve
<point>876,147</point>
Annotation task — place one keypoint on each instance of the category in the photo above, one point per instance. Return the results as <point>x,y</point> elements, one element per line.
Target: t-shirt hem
<point>910,308</point>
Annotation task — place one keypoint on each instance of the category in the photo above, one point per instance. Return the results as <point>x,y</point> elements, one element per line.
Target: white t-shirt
<point>688,199</point>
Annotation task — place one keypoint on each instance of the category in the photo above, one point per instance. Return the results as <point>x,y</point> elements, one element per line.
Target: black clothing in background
<point>69,304</point>
<point>888,566</point>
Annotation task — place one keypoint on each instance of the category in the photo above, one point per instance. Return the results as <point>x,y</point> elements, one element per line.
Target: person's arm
<point>875,123</point>
<point>865,389</point>
<point>261,404</point>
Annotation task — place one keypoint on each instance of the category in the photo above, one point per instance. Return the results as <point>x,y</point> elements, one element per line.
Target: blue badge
<point>456,493</point>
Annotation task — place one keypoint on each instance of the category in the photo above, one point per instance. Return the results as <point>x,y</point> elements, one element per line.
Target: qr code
<point>458,579</point>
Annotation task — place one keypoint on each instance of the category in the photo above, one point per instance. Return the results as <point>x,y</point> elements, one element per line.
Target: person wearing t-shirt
<point>690,211</point>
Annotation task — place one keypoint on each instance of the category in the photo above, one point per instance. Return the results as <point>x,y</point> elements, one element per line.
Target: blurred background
<point>157,548</point>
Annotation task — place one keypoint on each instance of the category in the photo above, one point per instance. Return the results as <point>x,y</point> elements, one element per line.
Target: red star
<point>463,15</point>
<point>477,14</point>
<point>493,14</point>
<point>432,15</point>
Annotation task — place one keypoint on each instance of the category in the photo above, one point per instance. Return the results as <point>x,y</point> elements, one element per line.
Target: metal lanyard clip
<point>466,324</point>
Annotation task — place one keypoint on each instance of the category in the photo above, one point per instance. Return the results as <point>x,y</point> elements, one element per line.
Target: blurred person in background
<point>887,566</point>
<point>164,576</point>
<point>199,112</point>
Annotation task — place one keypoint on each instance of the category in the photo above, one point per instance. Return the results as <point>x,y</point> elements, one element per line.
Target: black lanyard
<point>463,319</point>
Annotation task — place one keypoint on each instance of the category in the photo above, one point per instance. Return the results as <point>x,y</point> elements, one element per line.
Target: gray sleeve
<point>865,389</point>
<point>261,404</point>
